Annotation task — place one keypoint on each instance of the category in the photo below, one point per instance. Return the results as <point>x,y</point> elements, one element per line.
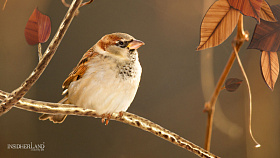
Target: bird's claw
<point>105,118</point>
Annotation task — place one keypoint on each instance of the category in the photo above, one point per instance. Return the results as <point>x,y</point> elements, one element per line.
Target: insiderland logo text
<point>31,146</point>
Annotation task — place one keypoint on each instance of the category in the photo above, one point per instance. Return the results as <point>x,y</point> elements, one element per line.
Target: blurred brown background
<point>172,91</point>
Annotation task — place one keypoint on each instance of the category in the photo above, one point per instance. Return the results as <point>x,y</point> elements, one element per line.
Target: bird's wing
<point>79,70</point>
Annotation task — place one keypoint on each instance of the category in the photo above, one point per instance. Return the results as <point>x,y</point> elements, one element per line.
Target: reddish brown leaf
<point>232,84</point>
<point>38,28</point>
<point>266,36</point>
<point>270,68</point>
<point>247,7</point>
<point>218,23</point>
<point>254,8</point>
<point>266,13</point>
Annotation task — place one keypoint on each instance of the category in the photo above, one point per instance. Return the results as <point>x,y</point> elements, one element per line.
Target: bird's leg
<point>121,113</point>
<point>103,118</point>
<point>108,118</point>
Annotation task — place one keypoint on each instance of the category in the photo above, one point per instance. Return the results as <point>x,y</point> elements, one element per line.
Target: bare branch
<point>17,94</point>
<point>83,4</point>
<point>127,118</point>
<point>210,105</point>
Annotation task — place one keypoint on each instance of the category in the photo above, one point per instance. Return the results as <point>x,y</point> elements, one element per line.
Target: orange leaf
<point>253,8</point>
<point>38,28</point>
<point>270,68</point>
<point>266,36</point>
<point>218,23</point>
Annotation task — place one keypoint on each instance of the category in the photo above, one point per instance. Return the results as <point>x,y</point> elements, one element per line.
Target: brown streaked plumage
<point>107,41</point>
<point>79,70</point>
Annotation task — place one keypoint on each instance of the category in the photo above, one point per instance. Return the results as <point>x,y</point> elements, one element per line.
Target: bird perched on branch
<point>106,79</point>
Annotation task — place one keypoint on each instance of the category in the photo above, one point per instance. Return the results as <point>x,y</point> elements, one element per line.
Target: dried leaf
<point>247,7</point>
<point>266,13</point>
<point>254,8</point>
<point>266,36</point>
<point>38,28</point>
<point>232,84</point>
<point>270,68</point>
<point>218,23</point>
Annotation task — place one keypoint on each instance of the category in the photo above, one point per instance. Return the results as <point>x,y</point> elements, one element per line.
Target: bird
<point>106,79</point>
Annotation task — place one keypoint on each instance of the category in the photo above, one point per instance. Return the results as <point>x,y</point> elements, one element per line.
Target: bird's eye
<point>121,43</point>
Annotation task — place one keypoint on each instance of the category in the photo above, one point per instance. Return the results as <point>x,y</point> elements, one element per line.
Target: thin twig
<point>250,95</point>
<point>65,3</point>
<point>83,4</point>
<point>17,94</point>
<point>127,118</point>
<point>86,3</point>
<point>5,3</point>
<point>40,51</point>
<point>210,105</point>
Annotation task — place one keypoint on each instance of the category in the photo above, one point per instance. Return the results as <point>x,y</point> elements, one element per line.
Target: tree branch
<point>210,105</point>
<point>17,94</point>
<point>127,118</point>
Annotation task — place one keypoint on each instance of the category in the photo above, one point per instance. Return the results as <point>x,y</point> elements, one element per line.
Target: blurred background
<point>176,82</point>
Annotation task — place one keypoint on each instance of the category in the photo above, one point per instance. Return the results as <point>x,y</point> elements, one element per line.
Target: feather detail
<point>107,41</point>
<point>79,70</point>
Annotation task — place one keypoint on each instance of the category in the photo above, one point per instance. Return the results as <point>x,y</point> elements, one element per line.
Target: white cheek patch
<point>100,51</point>
<point>118,53</point>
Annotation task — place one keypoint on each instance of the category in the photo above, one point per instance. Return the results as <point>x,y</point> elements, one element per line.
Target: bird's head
<point>119,45</point>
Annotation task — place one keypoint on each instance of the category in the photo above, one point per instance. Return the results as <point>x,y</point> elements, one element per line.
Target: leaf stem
<point>250,96</point>
<point>17,94</point>
<point>210,105</point>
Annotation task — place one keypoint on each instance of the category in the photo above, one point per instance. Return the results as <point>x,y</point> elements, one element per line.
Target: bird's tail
<point>55,118</point>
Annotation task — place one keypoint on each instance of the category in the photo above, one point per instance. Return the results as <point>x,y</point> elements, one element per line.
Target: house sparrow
<point>106,79</point>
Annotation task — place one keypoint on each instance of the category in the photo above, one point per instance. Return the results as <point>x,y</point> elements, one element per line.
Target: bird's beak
<point>135,44</point>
